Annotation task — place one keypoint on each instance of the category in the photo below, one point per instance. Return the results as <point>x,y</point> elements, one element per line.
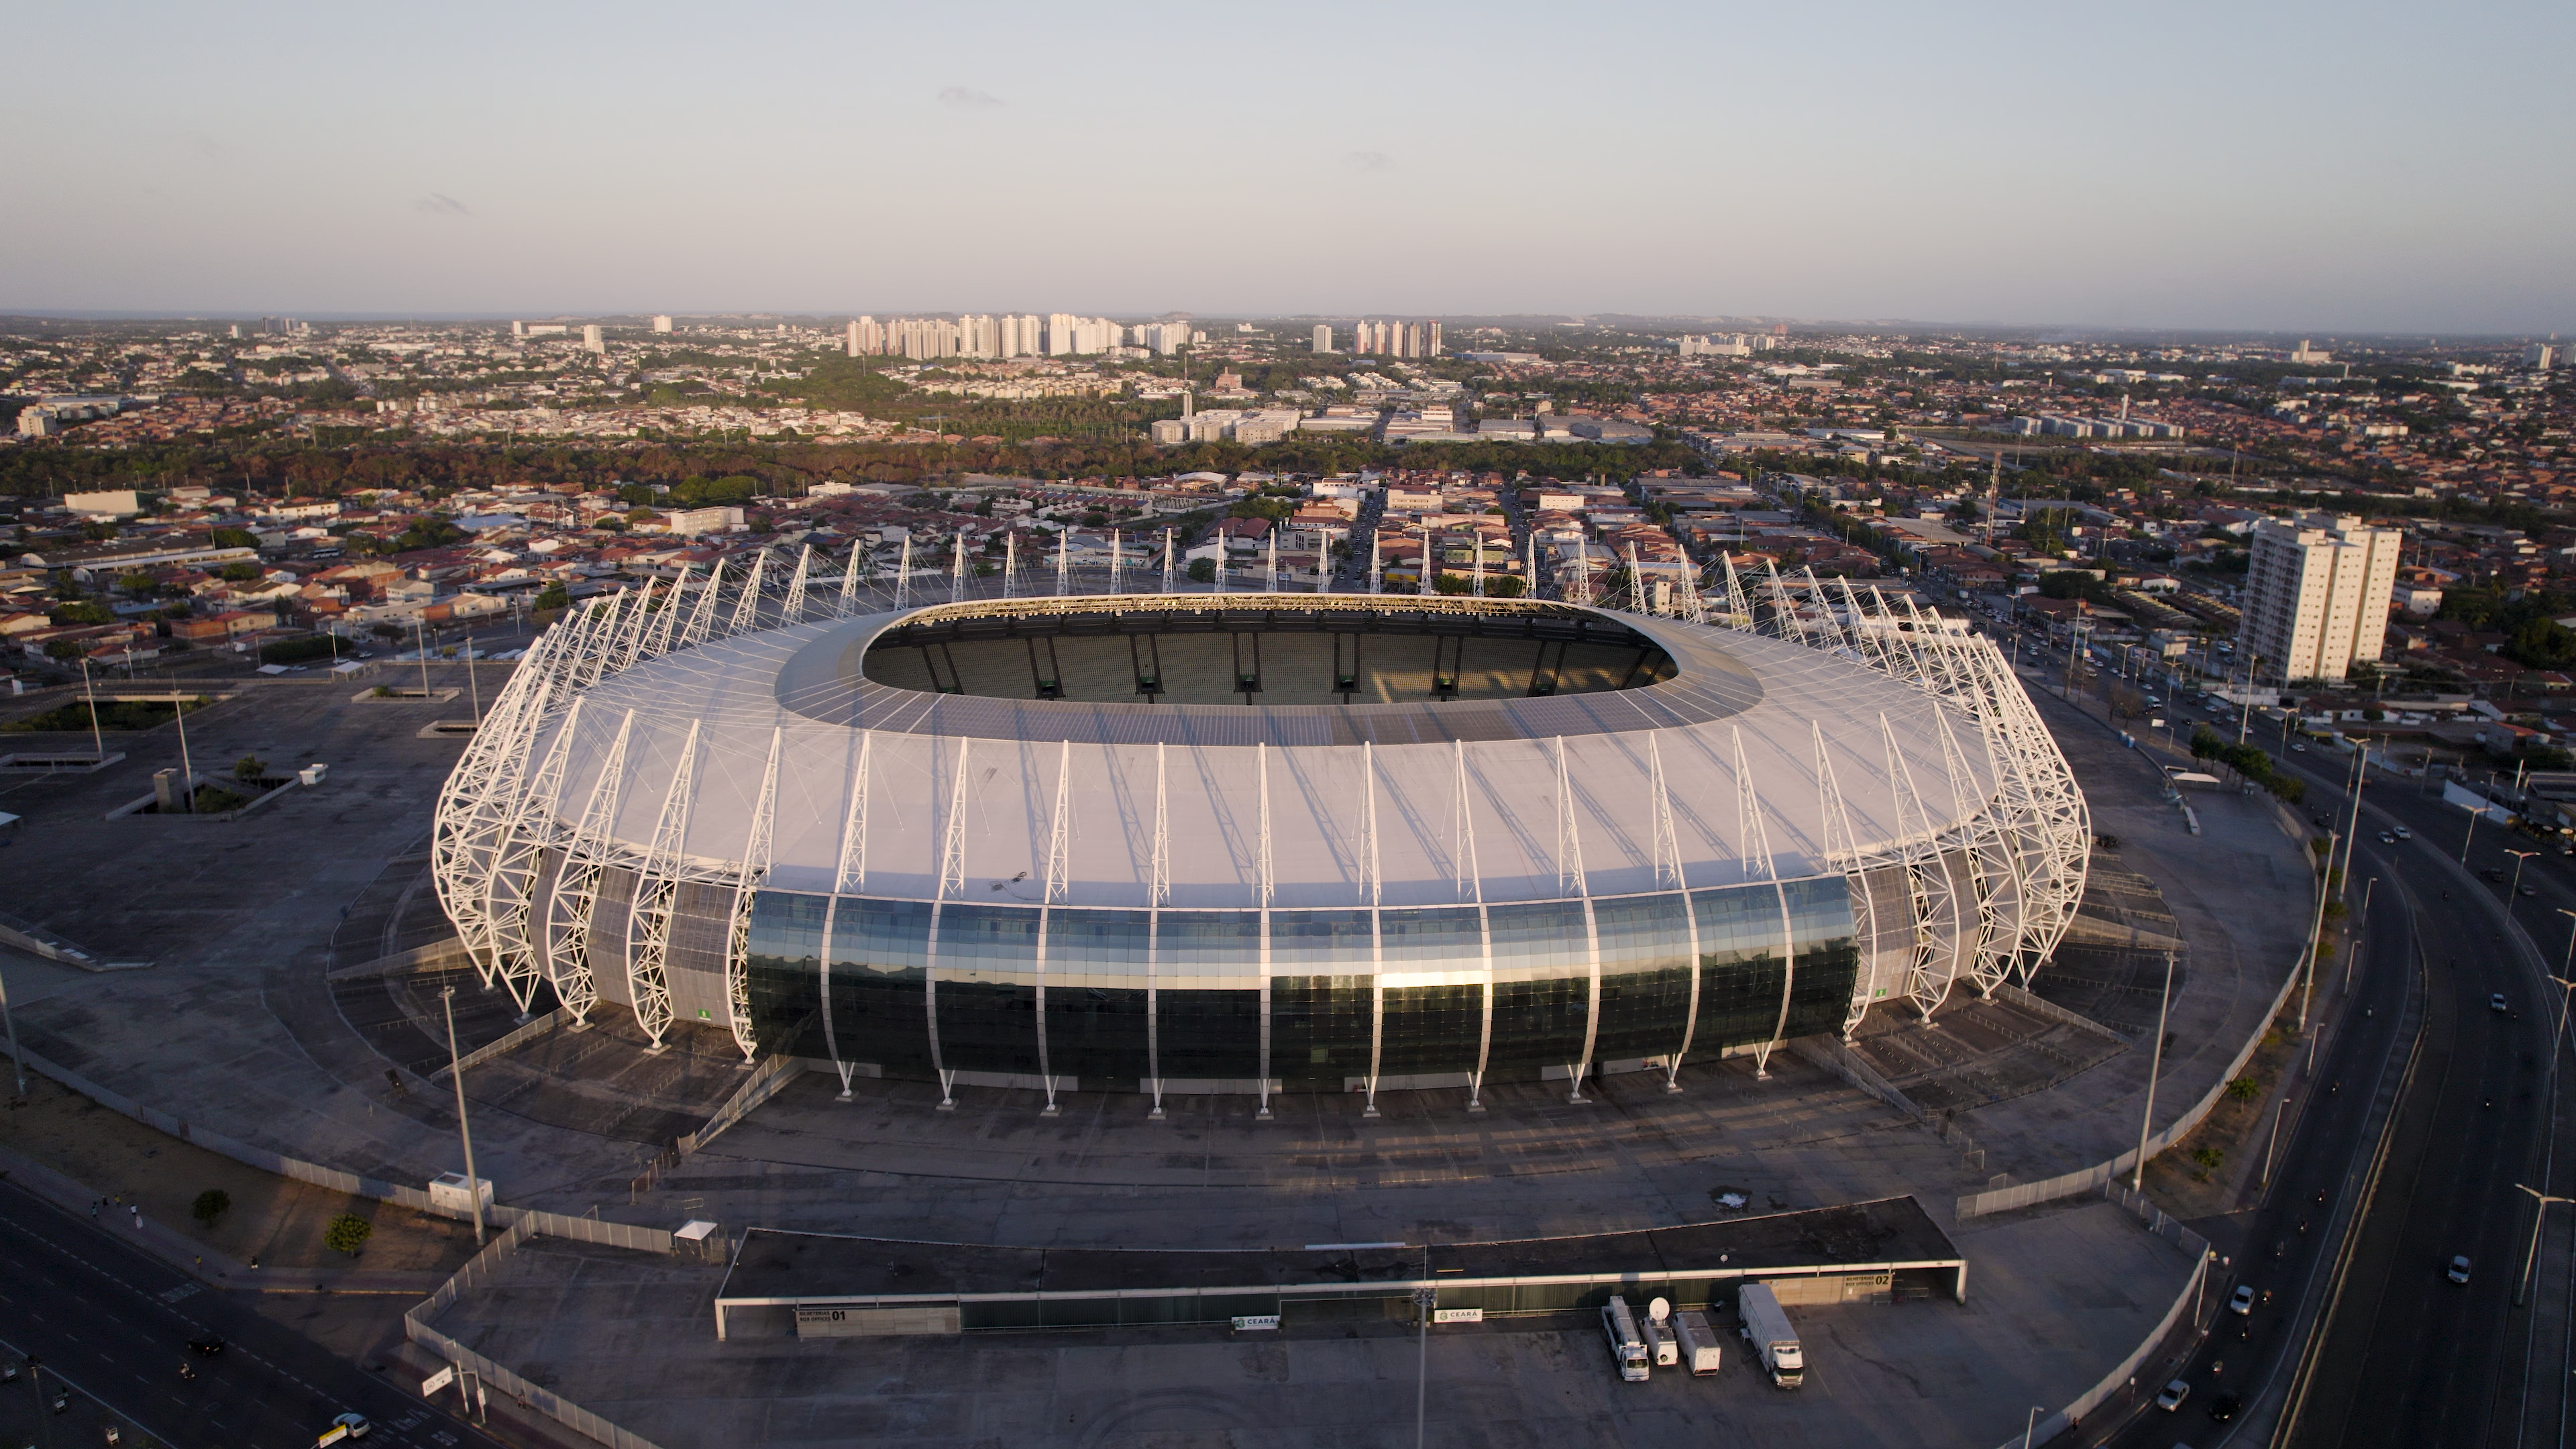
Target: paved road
<point>2409,1357</point>
<point>2281,1244</point>
<point>115,1323</point>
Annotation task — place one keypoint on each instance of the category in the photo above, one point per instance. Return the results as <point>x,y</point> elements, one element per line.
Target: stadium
<point>1254,843</point>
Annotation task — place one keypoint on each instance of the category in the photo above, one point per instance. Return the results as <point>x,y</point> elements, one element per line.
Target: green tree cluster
<point>2249,762</point>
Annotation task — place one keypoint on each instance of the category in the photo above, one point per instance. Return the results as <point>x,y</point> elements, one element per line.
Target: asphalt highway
<point>114,1323</point>
<point>2410,1357</point>
<point>2406,1355</point>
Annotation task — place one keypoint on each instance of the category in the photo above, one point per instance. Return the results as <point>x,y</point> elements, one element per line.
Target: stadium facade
<point>1253,843</point>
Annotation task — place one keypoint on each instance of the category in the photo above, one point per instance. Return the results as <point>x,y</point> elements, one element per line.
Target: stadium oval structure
<point>1253,843</point>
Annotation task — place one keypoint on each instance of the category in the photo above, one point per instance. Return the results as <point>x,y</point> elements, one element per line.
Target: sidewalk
<point>213,1266</point>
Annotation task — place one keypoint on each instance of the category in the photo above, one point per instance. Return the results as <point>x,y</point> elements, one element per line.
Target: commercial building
<point>2317,596</point>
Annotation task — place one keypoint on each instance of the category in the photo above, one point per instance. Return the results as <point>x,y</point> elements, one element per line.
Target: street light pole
<point>2539,1214</point>
<point>2316,938</point>
<point>456,1072</point>
<point>2361,927</point>
<point>2272,1146</point>
<point>2515,890</point>
<point>89,691</point>
<point>2155,1064</point>
<point>2471,835</point>
<point>1425,1298</point>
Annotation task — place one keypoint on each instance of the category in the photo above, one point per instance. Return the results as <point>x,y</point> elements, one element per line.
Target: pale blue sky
<point>2311,167</point>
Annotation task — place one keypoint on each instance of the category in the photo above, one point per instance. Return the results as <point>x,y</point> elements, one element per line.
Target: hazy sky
<point>2313,167</point>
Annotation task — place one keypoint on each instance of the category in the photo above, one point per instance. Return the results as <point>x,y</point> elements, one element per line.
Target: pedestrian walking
<point>138,1217</point>
<point>93,1208</point>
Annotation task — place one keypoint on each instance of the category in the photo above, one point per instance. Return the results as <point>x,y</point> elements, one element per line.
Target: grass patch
<point>123,714</point>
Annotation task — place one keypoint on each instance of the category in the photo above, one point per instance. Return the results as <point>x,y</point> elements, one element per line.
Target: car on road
<point>2495,1003</point>
<point>2241,1302</point>
<point>2387,838</point>
<point>2405,834</point>
<point>2298,748</point>
<point>2173,1395</point>
<point>2531,890</point>
<point>206,1344</point>
<point>2224,1407</point>
<point>2458,1272</point>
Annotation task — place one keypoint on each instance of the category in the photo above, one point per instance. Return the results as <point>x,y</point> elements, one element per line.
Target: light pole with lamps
<point>2316,937</point>
<point>2474,812</point>
<point>2360,928</point>
<point>2539,1214</point>
<point>456,1070</point>
<point>2515,890</point>
<point>2155,1063</point>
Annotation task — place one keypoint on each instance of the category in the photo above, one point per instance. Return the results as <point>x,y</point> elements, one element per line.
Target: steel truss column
<point>702,619</point>
<point>1842,850</point>
<point>510,888</point>
<point>746,608</point>
<point>656,900</point>
<point>1929,889</point>
<point>755,864</point>
<point>474,805</point>
<point>1569,871</point>
<point>793,610</point>
<point>572,909</point>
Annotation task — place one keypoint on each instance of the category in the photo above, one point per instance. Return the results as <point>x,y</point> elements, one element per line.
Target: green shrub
<point>347,1234</point>
<point>2244,1089</point>
<point>210,1205</point>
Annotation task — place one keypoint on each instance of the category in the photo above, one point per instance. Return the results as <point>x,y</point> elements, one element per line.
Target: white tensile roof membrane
<point>802,683</point>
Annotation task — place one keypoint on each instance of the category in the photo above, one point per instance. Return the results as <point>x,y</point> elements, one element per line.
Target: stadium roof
<point>1207,763</point>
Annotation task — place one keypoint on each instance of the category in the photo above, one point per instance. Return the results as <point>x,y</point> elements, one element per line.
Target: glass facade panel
<point>1207,966</point>
<point>1210,1034</point>
<point>988,1000</point>
<point>1097,1035</point>
<point>1740,964</point>
<point>782,969</point>
<point>1542,986</point>
<point>1820,914</point>
<point>1431,1029</point>
<point>880,952</point>
<point>1645,975</point>
<point>1195,950</point>
<point>1319,1029</point>
<point>1320,943</point>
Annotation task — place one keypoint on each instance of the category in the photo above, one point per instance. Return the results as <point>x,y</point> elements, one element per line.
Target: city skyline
<point>2212,173</point>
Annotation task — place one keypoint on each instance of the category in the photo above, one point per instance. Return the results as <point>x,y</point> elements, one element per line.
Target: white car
<point>2405,834</point>
<point>2173,1395</point>
<point>2241,1302</point>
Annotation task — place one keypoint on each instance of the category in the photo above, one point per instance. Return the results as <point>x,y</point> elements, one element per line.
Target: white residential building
<point>591,339</point>
<point>2317,595</point>
<point>1323,337</point>
<point>661,324</point>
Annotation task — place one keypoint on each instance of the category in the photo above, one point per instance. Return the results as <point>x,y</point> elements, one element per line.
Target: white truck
<point>1627,1348</point>
<point>1767,1332</point>
<point>1699,1343</point>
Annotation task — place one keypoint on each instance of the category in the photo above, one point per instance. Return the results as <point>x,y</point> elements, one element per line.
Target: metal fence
<point>766,1081</point>
<point>2082,1180</point>
<point>2118,1378</point>
<point>2068,1184</point>
<point>483,1268</point>
<point>509,1040</point>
